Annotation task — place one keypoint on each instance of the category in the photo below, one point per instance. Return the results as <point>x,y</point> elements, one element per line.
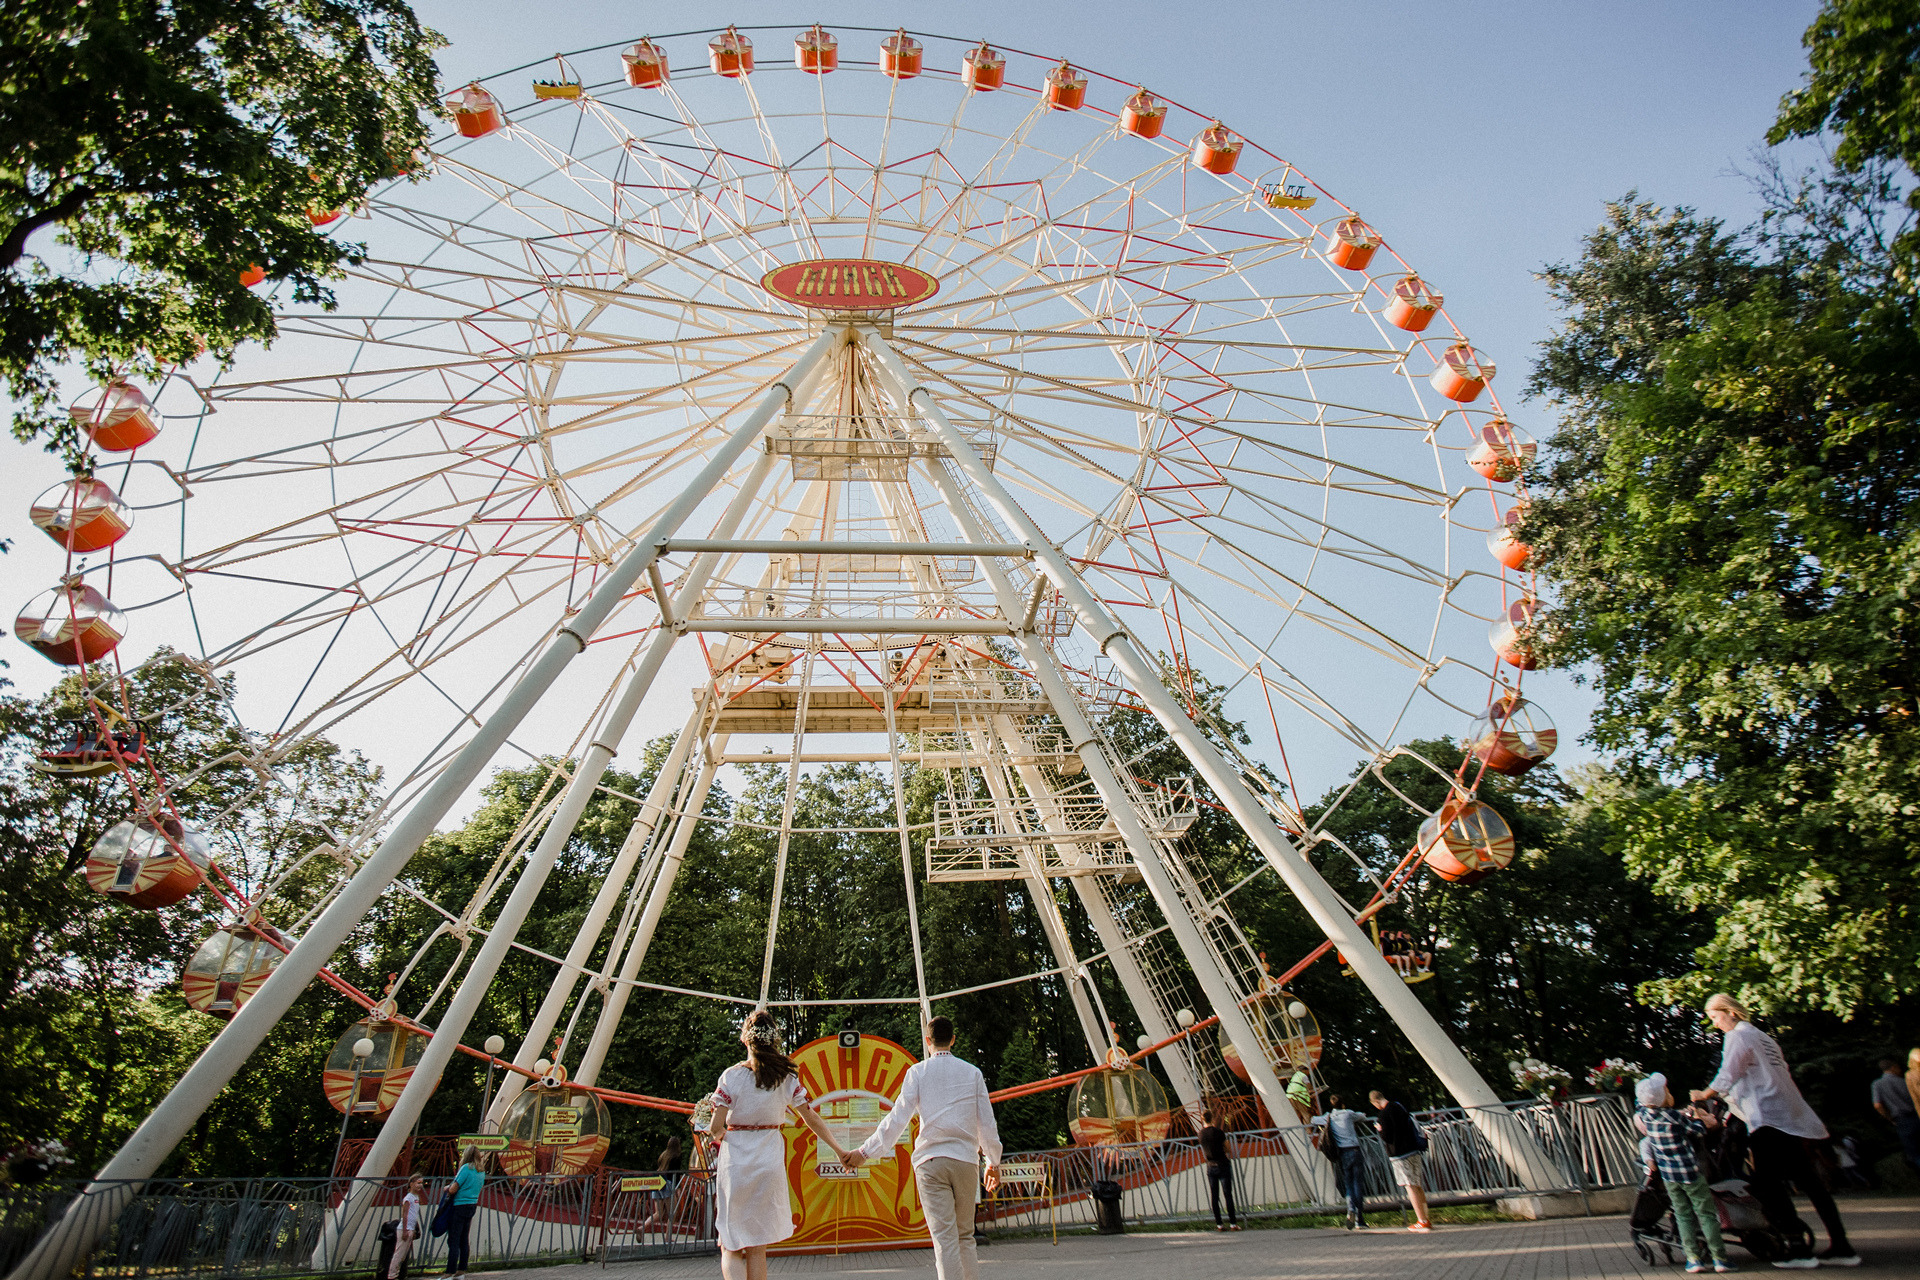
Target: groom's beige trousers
<point>947,1191</point>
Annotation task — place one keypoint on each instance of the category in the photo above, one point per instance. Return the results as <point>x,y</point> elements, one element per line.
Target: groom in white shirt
<point>956,1128</point>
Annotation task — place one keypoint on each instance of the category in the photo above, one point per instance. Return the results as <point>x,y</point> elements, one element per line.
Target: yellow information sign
<point>853,1086</point>
<point>484,1141</point>
<point>559,1126</point>
<point>646,1182</point>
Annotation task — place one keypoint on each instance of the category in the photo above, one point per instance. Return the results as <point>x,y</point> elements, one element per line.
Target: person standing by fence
<point>1342,1129</point>
<point>1758,1087</point>
<point>1895,1105</point>
<point>1300,1094</point>
<point>1213,1146</point>
<point>1407,1152</point>
<point>410,1224</point>
<point>466,1202</point>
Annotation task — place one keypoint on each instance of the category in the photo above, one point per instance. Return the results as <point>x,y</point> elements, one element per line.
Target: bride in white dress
<point>750,1106</point>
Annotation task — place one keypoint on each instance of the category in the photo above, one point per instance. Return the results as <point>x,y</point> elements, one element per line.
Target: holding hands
<point>852,1159</point>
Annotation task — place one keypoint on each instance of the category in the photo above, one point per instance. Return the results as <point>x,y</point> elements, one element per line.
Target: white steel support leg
<point>1206,969</point>
<point>1146,856</point>
<point>906,857</point>
<point>1040,892</point>
<point>92,1213</point>
<point>1299,875</point>
<point>692,587</point>
<point>659,796</point>
<point>445,1041</point>
<point>616,1000</point>
<point>1126,965</point>
<point>441,1046</point>
<point>1134,981</point>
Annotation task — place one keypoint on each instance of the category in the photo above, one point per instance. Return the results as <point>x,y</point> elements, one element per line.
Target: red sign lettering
<point>850,284</point>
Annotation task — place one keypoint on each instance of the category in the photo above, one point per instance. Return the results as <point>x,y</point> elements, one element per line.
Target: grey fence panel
<point>673,1219</point>
<point>201,1229</point>
<point>1590,1142</point>
<point>266,1228</point>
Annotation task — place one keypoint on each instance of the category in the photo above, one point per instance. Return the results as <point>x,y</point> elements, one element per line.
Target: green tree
<point>171,144</point>
<point>89,988</point>
<point>1541,958</point>
<point>1728,519</point>
<point>1862,83</point>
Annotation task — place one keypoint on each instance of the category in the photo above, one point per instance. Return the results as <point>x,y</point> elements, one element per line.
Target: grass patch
<point>1455,1215</point>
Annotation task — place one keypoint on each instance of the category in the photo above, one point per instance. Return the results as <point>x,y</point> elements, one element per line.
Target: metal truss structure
<point>1150,427</point>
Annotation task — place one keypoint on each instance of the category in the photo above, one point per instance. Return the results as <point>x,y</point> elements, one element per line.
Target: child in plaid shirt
<point>1670,1133</point>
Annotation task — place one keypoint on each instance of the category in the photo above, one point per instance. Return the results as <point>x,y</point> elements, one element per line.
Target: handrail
<point>267,1227</point>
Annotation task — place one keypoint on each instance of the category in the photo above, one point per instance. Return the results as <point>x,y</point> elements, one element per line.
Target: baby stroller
<point>1742,1220</point>
<point>1651,1225</point>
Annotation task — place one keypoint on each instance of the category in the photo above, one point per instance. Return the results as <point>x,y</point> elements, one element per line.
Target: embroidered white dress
<point>751,1178</point>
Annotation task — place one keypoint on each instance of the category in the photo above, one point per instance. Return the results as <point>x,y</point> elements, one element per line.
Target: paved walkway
<point>1886,1231</point>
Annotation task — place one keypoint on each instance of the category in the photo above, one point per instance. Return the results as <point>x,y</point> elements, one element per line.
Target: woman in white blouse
<point>1760,1090</point>
<point>750,1107</point>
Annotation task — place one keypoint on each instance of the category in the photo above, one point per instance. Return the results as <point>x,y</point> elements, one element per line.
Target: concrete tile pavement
<point>1886,1231</point>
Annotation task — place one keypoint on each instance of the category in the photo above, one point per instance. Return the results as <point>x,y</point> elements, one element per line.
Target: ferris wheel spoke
<point>1238,650</point>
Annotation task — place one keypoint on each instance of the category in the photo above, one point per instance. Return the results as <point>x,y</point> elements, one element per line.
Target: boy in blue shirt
<point>1670,1134</point>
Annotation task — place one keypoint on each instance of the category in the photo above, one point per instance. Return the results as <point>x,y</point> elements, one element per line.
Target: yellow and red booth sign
<point>850,284</point>
<point>877,1205</point>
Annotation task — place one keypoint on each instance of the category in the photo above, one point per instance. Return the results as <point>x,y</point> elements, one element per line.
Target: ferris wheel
<point>940,400</point>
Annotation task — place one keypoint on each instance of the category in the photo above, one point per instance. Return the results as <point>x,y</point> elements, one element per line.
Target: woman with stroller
<point>1670,1134</point>
<point>1758,1087</point>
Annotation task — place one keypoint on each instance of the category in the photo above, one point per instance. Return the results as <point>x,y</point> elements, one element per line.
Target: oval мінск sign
<point>850,284</point>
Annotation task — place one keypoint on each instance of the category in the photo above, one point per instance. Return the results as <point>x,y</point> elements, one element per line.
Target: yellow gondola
<point>384,1073</point>
<point>1118,1105</point>
<point>230,966</point>
<point>555,1128</point>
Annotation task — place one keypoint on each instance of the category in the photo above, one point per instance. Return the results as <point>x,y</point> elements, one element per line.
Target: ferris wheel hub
<point>854,286</point>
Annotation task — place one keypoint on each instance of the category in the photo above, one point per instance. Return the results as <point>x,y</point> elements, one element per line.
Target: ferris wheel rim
<point>544,441</point>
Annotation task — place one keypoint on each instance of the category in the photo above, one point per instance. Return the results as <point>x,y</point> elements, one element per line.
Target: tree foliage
<point>171,144</point>
<point>1728,518</point>
<point>89,988</point>
<point>1542,958</point>
<point>1863,83</point>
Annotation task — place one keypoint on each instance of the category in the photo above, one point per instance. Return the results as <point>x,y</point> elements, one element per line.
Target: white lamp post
<point>362,1050</point>
<point>494,1046</point>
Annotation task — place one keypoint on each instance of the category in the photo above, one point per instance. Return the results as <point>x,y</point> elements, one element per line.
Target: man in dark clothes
<point>1406,1149</point>
<point>1213,1145</point>
<point>1894,1102</point>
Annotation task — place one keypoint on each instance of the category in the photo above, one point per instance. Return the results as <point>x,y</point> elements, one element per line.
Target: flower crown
<point>764,1033</point>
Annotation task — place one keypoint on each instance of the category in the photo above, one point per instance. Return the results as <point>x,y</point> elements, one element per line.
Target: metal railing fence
<point>1589,1143</point>
<point>657,1215</point>
<point>189,1228</point>
<point>264,1228</point>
